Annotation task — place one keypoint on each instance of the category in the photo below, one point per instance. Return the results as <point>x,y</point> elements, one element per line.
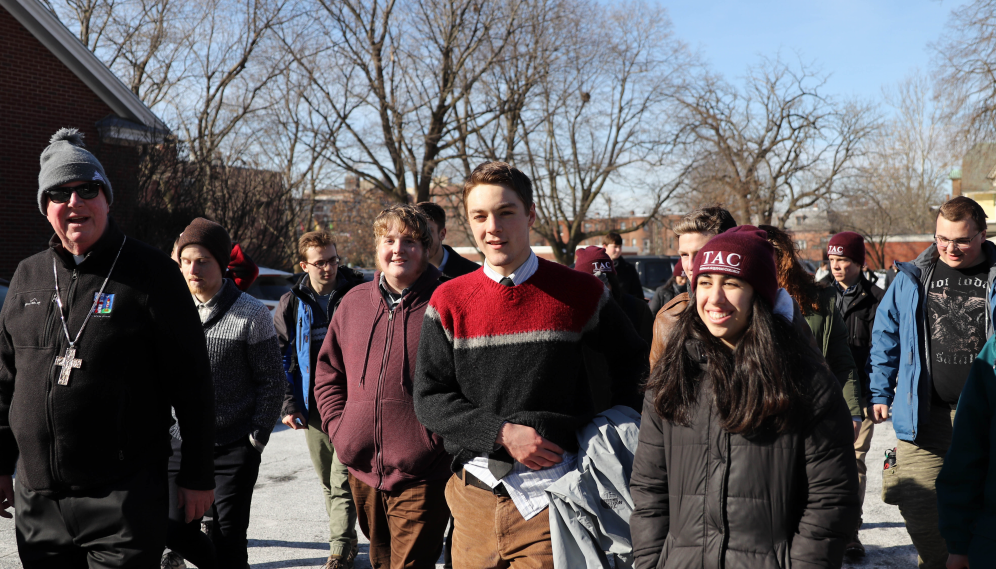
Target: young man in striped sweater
<point>248,377</point>
<point>500,375</point>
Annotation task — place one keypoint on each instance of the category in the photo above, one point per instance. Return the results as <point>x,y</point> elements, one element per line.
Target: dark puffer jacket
<point>705,498</point>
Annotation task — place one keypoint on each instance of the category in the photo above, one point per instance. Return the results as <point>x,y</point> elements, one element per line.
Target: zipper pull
<point>74,274</point>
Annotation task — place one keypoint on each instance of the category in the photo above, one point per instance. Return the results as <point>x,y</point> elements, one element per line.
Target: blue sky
<point>862,44</point>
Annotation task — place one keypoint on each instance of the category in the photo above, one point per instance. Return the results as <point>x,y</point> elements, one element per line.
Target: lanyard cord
<point>96,299</point>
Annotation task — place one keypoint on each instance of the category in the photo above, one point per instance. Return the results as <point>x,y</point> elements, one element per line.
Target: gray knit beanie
<point>66,160</point>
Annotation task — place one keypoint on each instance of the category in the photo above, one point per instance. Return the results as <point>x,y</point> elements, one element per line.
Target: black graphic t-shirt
<point>956,306</point>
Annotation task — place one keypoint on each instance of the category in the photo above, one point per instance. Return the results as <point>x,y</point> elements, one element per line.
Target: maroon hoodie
<point>363,385</point>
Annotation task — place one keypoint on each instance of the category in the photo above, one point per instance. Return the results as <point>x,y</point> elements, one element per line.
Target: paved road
<point>289,526</point>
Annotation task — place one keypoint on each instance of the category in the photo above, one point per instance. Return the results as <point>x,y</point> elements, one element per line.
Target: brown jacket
<point>668,316</point>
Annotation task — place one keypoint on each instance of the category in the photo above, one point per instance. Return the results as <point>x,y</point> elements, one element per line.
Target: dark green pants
<point>335,485</point>
<point>918,466</point>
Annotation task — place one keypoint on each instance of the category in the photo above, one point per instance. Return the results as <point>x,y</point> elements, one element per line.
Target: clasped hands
<point>525,445</point>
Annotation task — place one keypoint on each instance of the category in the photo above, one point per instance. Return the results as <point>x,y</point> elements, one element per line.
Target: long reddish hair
<point>791,276</point>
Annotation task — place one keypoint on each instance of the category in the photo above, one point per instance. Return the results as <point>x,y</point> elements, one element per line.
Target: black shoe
<point>854,548</point>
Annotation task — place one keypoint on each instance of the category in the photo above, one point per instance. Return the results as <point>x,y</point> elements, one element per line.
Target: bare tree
<point>142,41</point>
<point>253,204</point>
<point>352,226</point>
<point>89,18</point>
<point>965,63</point>
<point>597,120</point>
<point>294,141</point>
<point>778,143</point>
<point>904,174</point>
<point>392,77</point>
<point>148,47</point>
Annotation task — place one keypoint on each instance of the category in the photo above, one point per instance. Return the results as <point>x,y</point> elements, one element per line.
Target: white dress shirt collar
<point>519,275</point>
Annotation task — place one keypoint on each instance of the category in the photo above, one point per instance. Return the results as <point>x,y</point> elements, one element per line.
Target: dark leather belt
<point>471,480</point>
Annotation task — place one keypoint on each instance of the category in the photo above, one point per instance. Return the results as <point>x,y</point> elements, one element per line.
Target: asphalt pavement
<point>289,526</point>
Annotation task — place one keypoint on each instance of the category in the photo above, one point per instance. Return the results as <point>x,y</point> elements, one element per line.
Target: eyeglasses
<point>86,191</point>
<point>962,243</point>
<point>332,261</point>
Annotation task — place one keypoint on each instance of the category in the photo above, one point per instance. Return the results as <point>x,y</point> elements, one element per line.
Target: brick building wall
<point>41,95</point>
<point>902,248</point>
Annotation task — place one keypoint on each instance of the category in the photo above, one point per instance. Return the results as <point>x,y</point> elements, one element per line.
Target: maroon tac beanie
<point>848,244</point>
<point>593,259</point>
<point>743,252</point>
<point>209,235</point>
<point>678,271</point>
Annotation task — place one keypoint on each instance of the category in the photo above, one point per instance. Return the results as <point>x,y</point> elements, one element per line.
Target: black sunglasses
<point>87,191</point>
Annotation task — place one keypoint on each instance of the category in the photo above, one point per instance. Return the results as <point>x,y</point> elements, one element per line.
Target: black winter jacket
<point>457,265</point>
<point>639,314</point>
<point>629,277</point>
<point>664,294</point>
<point>705,498</point>
<point>142,352</point>
<point>859,318</point>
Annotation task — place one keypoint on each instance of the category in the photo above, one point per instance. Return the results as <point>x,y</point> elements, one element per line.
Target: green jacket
<point>831,334</point>
<point>966,486</point>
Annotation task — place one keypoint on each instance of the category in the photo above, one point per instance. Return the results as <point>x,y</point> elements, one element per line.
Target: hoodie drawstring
<point>366,353</point>
<point>404,346</point>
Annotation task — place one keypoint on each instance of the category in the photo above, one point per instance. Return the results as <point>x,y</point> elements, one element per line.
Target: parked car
<point>810,266</point>
<point>654,270</point>
<point>4,287</point>
<point>270,285</point>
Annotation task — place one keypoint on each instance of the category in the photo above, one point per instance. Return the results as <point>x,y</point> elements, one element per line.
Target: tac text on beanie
<point>848,244</point>
<point>743,252</point>
<point>593,260</point>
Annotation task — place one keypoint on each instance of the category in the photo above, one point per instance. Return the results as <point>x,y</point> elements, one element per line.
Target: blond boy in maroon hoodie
<point>363,385</point>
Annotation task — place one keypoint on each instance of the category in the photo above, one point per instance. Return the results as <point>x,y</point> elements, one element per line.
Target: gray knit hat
<point>66,160</point>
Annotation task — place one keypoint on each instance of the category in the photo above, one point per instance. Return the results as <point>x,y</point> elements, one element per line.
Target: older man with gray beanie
<point>98,339</point>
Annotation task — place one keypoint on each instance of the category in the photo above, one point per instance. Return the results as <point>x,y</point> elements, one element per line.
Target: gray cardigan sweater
<point>246,367</point>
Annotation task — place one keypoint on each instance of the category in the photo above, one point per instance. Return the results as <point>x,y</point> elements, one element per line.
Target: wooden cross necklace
<point>69,362</point>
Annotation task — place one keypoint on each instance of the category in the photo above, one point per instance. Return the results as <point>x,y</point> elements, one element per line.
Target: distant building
<point>654,238</point>
<point>977,179</point>
<point>811,229</point>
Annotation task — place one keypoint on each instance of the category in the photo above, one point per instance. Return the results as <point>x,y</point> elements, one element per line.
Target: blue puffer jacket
<point>899,366</point>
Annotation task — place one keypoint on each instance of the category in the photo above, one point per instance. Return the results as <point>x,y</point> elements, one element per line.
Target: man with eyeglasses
<point>99,337</point>
<point>929,327</point>
<point>302,320</point>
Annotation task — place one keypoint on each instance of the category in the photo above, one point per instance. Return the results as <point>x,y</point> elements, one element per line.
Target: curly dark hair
<point>791,276</point>
<point>761,385</point>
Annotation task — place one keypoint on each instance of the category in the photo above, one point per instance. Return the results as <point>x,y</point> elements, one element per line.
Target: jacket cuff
<point>958,547</point>
<point>288,408</point>
<point>881,401</point>
<point>8,463</point>
<point>491,433</point>
<point>184,480</point>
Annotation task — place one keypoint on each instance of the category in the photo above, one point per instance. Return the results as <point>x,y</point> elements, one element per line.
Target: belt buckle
<point>500,490</point>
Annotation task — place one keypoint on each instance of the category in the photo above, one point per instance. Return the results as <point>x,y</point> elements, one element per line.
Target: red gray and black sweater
<point>490,354</point>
